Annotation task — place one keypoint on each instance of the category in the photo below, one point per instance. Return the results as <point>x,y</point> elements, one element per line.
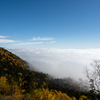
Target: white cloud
<point>2,40</point>
<point>38,38</point>
<point>59,62</point>
<point>3,36</point>
<point>53,42</point>
<point>6,41</point>
<point>28,43</point>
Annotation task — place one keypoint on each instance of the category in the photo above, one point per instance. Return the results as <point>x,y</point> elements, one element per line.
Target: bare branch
<point>93,76</point>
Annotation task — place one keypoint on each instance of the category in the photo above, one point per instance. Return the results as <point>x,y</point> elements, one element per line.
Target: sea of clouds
<point>59,63</point>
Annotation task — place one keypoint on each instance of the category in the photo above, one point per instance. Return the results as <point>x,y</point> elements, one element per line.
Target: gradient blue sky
<point>62,24</point>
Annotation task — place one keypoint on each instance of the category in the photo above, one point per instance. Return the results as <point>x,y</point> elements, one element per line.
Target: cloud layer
<point>59,62</point>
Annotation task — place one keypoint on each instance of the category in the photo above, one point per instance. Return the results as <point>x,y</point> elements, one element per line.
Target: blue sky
<point>62,24</point>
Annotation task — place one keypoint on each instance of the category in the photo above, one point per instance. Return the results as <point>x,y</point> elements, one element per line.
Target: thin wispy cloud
<point>29,43</point>
<point>6,41</point>
<point>2,36</point>
<point>35,40</point>
<point>53,42</point>
<point>38,38</point>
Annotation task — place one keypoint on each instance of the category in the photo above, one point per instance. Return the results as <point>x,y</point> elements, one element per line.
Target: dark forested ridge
<point>18,82</point>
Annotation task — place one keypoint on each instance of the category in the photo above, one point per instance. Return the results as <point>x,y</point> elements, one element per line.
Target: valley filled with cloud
<point>59,63</point>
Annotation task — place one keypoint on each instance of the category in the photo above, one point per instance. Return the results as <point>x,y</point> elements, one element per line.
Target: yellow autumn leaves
<point>46,94</point>
<point>11,92</point>
<point>14,92</point>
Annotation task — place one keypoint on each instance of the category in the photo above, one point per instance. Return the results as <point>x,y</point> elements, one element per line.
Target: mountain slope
<point>11,65</point>
<point>15,68</point>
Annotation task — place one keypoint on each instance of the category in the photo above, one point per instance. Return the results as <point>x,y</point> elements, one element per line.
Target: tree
<point>93,76</point>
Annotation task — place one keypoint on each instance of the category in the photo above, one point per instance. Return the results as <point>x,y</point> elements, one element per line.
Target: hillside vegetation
<point>18,82</point>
